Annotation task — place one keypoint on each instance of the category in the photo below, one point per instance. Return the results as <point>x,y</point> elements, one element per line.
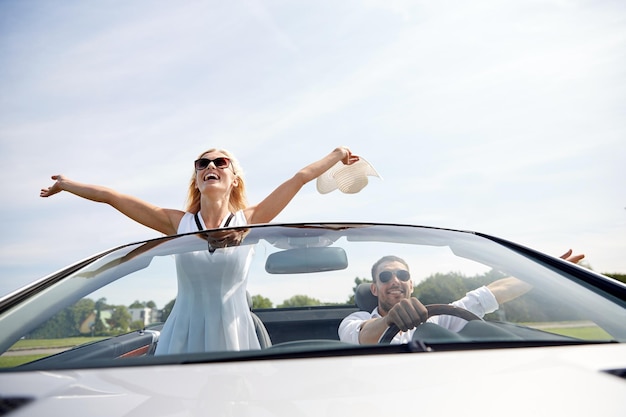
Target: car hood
<point>572,380</point>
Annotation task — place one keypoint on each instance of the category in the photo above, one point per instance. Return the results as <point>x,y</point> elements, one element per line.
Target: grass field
<point>53,343</point>
<point>30,346</point>
<point>585,333</point>
<point>11,361</point>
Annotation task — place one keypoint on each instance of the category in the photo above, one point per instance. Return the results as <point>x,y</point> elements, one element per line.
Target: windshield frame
<point>111,265</point>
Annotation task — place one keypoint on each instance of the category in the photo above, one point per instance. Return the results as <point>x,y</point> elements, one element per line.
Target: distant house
<point>87,324</point>
<point>146,315</point>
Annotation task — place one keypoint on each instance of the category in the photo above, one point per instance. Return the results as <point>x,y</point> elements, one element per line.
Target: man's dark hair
<point>387,259</point>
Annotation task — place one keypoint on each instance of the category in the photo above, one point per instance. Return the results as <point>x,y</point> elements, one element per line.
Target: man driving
<point>393,286</point>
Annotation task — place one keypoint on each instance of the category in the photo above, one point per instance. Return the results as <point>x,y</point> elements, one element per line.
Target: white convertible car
<point>245,322</point>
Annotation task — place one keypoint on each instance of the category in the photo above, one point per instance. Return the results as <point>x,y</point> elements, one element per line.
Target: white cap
<point>350,179</point>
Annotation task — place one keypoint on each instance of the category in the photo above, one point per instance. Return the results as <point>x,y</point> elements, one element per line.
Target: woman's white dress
<point>211,312</point>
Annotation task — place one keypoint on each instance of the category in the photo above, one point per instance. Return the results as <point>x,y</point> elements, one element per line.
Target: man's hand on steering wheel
<point>432,310</point>
<point>407,314</point>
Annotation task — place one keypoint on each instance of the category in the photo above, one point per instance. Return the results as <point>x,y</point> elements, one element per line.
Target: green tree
<point>65,323</point>
<point>143,304</point>
<point>300,301</point>
<point>357,281</point>
<point>441,288</point>
<point>137,325</point>
<point>533,306</point>
<point>137,304</point>
<point>99,329</point>
<point>167,310</point>
<point>101,304</point>
<point>258,301</point>
<point>58,326</point>
<point>120,319</point>
<point>619,277</point>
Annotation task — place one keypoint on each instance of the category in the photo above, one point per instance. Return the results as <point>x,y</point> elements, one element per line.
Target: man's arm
<point>507,289</point>
<point>407,314</point>
<point>350,326</point>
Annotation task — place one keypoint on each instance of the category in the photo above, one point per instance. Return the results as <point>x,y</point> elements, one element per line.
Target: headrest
<point>364,299</point>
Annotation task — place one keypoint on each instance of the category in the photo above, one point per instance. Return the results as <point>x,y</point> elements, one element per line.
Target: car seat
<point>364,299</point>
<point>261,331</point>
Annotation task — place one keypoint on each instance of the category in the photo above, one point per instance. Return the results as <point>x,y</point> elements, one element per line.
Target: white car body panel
<point>515,382</point>
<point>558,349</point>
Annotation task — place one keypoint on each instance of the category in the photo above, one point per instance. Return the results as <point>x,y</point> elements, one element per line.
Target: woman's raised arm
<point>156,218</point>
<point>274,203</point>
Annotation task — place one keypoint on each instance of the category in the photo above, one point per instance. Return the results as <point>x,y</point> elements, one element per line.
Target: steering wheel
<point>433,310</point>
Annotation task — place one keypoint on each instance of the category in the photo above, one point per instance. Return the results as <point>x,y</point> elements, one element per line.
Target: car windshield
<point>268,289</point>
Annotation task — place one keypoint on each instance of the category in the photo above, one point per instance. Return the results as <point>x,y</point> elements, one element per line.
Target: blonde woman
<point>211,310</point>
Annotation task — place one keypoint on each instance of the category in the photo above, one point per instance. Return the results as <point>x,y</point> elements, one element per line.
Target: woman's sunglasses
<point>401,274</point>
<point>222,162</point>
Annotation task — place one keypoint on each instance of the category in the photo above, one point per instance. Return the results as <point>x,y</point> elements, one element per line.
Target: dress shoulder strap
<point>197,219</point>
<point>230,217</point>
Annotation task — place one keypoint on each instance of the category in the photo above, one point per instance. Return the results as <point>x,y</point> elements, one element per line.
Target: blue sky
<point>501,117</point>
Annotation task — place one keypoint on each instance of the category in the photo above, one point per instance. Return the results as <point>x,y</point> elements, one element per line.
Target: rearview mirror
<point>305,260</point>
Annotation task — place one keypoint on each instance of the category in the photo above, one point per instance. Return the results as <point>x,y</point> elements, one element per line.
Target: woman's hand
<point>348,157</point>
<point>55,188</point>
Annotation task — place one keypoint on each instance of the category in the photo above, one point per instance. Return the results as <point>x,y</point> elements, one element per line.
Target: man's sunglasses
<point>401,274</point>
<point>222,162</point>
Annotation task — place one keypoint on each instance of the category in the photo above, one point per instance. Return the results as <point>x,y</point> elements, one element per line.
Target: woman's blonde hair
<point>237,199</point>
